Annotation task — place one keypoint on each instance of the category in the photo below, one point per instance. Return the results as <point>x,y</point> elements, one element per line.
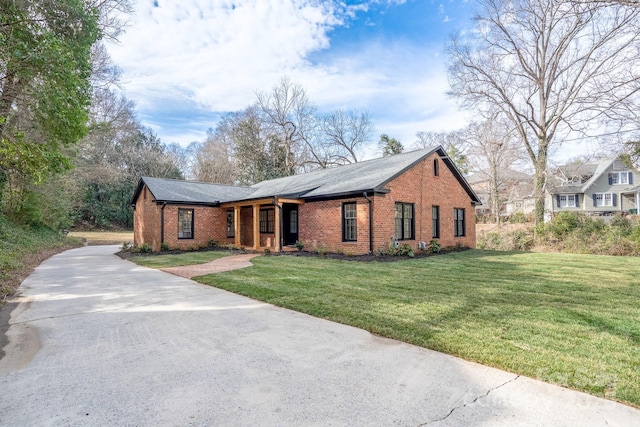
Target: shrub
<point>434,246</point>
<point>145,248</point>
<point>299,244</point>
<point>164,246</point>
<point>127,247</point>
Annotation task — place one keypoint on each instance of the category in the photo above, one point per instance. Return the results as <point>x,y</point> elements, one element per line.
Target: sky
<point>187,62</point>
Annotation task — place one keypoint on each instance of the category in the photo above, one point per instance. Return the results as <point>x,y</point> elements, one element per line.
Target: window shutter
<point>630,177</point>
<point>610,180</point>
<point>613,199</point>
<point>558,200</point>
<point>594,200</point>
<point>577,200</point>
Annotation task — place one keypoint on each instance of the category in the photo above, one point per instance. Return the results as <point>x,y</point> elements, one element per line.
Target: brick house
<point>354,209</point>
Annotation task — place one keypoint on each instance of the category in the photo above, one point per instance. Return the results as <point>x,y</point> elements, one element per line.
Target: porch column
<point>278,229</point>
<point>256,226</point>
<point>236,226</point>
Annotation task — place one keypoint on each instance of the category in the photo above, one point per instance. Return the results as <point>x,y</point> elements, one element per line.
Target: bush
<point>434,246</point>
<point>164,246</point>
<point>299,244</point>
<point>145,248</point>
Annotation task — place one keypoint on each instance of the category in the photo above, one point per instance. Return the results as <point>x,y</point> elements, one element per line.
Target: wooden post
<point>278,229</point>
<point>236,226</point>
<point>256,226</point>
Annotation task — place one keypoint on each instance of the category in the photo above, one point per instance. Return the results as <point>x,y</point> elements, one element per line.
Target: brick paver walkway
<point>227,263</point>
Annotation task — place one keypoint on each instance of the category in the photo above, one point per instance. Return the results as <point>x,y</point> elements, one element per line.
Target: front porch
<point>263,224</point>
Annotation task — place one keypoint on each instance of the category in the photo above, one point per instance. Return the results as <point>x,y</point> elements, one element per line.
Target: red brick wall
<point>146,221</point>
<point>210,223</point>
<point>419,186</point>
<point>320,226</point>
<point>321,222</point>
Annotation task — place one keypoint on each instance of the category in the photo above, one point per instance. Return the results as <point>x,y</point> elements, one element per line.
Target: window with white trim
<point>567,200</point>
<point>603,199</point>
<point>620,178</point>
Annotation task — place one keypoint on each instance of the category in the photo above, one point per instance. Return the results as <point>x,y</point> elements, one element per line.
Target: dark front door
<point>290,224</point>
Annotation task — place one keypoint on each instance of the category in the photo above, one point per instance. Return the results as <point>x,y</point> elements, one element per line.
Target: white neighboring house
<point>605,187</point>
<point>512,185</point>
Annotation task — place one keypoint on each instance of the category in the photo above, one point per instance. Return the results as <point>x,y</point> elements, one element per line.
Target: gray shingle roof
<point>351,178</point>
<point>177,191</point>
<point>370,175</point>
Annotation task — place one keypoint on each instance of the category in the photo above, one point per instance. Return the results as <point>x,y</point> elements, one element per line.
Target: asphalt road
<point>100,341</point>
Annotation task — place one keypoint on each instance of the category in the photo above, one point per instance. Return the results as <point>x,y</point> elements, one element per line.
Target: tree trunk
<point>539,189</point>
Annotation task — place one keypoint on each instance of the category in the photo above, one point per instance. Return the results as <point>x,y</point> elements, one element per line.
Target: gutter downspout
<point>364,194</point>
<point>164,204</point>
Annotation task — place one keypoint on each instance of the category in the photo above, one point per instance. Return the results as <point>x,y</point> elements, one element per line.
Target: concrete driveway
<point>101,341</point>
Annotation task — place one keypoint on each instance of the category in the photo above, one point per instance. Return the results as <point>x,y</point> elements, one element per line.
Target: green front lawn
<point>572,320</point>
<point>177,260</point>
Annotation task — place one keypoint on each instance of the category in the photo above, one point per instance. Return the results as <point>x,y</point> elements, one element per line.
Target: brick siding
<point>320,222</point>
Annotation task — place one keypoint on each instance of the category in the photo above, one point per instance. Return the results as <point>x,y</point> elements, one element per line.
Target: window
<point>231,229</point>
<point>436,167</point>
<point>435,222</point>
<point>404,221</point>
<point>458,222</point>
<point>293,221</point>
<point>568,200</point>
<point>349,222</point>
<point>620,178</point>
<point>267,220</point>
<point>185,223</point>
<point>604,199</point>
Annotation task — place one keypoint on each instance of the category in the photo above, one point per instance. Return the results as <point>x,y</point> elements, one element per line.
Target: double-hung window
<point>568,200</point>
<point>267,220</point>
<point>620,178</point>
<point>435,222</point>
<point>404,221</point>
<point>604,199</point>
<point>185,223</point>
<point>458,222</point>
<point>349,222</point>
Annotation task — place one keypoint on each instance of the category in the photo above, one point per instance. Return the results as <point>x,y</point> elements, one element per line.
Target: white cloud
<point>210,56</point>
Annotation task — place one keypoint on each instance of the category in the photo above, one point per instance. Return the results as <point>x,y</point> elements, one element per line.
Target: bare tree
<point>213,159</point>
<point>493,148</point>
<point>453,143</point>
<point>550,67</point>
<point>287,114</point>
<point>344,134</point>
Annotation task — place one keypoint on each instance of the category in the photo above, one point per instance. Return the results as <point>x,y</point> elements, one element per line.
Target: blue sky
<point>186,63</point>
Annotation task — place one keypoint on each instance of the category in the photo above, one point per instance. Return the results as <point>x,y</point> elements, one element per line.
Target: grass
<point>24,248</point>
<point>104,237</point>
<point>572,320</point>
<point>177,260</point>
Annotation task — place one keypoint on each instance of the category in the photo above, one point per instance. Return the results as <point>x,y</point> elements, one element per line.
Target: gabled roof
<point>189,192</point>
<point>594,170</point>
<point>351,179</point>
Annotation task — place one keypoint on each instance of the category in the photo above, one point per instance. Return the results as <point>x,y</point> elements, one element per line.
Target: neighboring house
<point>355,209</point>
<point>512,186</point>
<point>600,188</point>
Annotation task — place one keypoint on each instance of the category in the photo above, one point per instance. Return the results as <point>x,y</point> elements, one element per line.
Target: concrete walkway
<point>99,341</point>
<point>227,263</point>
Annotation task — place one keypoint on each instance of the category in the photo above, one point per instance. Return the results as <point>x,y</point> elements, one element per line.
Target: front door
<point>290,224</point>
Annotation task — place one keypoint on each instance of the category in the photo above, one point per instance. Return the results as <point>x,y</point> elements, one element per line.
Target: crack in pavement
<point>455,408</point>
